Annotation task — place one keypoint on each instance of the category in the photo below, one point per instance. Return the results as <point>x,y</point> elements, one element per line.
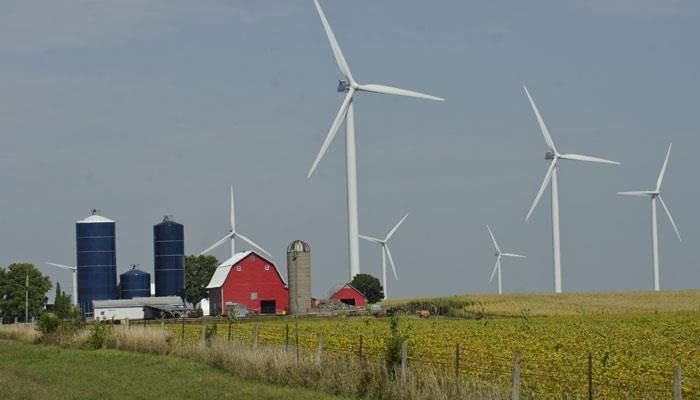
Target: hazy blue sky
<point>143,109</point>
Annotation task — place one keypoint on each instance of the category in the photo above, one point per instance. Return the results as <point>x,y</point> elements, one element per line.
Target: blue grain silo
<point>97,260</point>
<point>134,283</point>
<point>169,253</point>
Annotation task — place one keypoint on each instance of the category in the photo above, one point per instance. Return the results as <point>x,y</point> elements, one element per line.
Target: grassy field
<point>48,372</point>
<point>552,304</point>
<point>635,340</point>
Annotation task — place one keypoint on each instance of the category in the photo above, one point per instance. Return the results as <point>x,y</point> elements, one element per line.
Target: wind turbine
<point>499,254</point>
<point>386,252</point>
<point>75,278</point>
<point>233,234</point>
<point>656,194</point>
<point>346,113</point>
<point>551,175</point>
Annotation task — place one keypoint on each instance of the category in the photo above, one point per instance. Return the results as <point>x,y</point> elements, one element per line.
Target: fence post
<point>126,321</point>
<point>286,336</point>
<point>182,333</point>
<point>204,332</point>
<point>457,362</point>
<point>404,360</point>
<point>590,376</point>
<point>516,376</point>
<point>229,330</point>
<point>296,337</point>
<point>677,378</point>
<point>255,336</point>
<point>319,349</point>
<point>360,349</point>
<point>162,327</point>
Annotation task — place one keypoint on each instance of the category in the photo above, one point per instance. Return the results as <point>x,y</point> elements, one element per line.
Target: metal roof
<point>298,246</point>
<point>94,219</point>
<point>138,302</point>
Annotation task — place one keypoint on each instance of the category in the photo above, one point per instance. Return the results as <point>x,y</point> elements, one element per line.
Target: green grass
<point>48,372</point>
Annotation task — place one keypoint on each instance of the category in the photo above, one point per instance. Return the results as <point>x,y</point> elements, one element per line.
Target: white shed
<point>138,308</point>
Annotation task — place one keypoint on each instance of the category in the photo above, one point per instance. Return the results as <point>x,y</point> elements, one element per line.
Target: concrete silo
<point>169,254</point>
<point>96,260</point>
<point>135,283</point>
<point>299,274</point>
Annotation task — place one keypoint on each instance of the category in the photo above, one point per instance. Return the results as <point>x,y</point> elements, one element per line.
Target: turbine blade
<point>370,239</point>
<point>396,91</point>
<point>69,267</point>
<point>540,121</point>
<point>579,157</point>
<point>233,213</point>
<point>493,239</point>
<point>670,218</point>
<point>640,193</point>
<point>334,129</point>
<point>217,244</point>
<point>663,169</point>
<point>339,58</point>
<point>495,268</point>
<point>512,255</point>
<point>547,178</point>
<point>250,242</point>
<point>391,261</point>
<point>393,230</point>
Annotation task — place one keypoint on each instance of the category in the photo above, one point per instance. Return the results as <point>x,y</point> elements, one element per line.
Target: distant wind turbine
<point>499,254</point>
<point>386,252</point>
<point>233,234</point>
<point>349,86</point>
<point>656,194</point>
<point>74,269</point>
<point>551,175</point>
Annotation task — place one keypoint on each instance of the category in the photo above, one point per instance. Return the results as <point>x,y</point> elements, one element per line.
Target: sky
<point>145,109</point>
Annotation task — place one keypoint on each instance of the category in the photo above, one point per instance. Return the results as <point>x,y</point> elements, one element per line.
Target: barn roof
<point>221,272</point>
<point>340,286</point>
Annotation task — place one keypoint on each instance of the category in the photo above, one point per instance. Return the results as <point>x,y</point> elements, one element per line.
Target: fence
<point>526,374</point>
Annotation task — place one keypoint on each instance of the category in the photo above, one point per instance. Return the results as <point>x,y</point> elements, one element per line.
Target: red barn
<point>251,280</point>
<point>347,294</point>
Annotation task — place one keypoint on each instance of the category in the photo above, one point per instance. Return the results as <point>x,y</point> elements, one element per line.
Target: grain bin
<point>135,283</point>
<point>169,258</point>
<point>96,260</point>
<point>299,273</point>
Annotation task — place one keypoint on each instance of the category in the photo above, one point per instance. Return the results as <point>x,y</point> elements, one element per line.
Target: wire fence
<point>561,375</point>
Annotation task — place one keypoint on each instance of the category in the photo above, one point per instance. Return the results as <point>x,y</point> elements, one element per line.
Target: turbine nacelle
<point>343,86</point>
<point>550,155</point>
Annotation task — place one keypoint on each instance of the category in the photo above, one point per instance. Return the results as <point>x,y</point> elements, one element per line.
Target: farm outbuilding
<point>251,280</point>
<point>346,293</point>
<point>138,308</point>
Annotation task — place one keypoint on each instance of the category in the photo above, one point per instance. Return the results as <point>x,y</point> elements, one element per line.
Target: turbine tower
<point>233,234</point>
<point>551,175</point>
<point>346,113</point>
<point>74,269</point>
<point>499,254</point>
<point>386,252</point>
<point>656,194</point>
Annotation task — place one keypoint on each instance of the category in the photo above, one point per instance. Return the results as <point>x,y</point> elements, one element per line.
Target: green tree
<point>61,303</point>
<point>13,285</point>
<point>198,273</point>
<point>368,286</point>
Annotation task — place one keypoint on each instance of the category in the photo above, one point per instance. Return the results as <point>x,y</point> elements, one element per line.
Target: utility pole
<point>26,300</point>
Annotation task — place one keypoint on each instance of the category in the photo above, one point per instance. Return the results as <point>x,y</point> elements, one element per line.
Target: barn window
<point>253,295</point>
<point>267,268</point>
<point>252,257</point>
<point>238,268</point>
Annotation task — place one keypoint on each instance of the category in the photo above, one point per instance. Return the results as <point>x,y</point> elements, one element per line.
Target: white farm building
<point>138,308</point>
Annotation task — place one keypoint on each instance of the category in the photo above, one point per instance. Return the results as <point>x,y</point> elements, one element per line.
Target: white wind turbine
<point>656,194</point>
<point>74,269</point>
<point>551,175</point>
<point>499,254</point>
<point>233,234</point>
<point>346,113</point>
<point>386,252</point>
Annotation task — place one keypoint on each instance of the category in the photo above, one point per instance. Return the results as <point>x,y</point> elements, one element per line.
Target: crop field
<point>632,356</point>
<point>635,340</point>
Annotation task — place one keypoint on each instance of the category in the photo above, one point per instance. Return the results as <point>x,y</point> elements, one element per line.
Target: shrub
<point>48,323</point>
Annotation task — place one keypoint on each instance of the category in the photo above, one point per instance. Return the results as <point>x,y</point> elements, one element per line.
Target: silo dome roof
<point>298,246</point>
<point>94,219</point>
